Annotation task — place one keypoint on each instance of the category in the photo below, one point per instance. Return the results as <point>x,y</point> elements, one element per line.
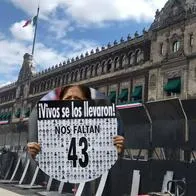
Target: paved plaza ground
<point>11,190</point>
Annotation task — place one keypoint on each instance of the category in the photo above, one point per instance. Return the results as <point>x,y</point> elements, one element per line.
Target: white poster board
<point>76,139</point>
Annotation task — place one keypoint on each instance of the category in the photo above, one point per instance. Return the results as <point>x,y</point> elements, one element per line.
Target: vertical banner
<point>76,139</point>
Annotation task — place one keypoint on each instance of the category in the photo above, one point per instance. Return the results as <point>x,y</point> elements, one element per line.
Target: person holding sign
<point>75,92</point>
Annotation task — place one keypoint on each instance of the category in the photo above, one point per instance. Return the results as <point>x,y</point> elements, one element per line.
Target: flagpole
<point>35,32</point>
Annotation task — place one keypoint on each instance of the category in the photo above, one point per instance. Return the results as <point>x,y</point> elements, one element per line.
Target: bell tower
<point>27,68</point>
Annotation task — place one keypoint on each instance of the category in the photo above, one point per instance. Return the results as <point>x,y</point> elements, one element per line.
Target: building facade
<point>159,64</point>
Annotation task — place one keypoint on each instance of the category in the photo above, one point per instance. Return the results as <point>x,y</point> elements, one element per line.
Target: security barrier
<point>167,124</point>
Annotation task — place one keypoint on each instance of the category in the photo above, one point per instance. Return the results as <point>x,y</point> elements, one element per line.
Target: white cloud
<point>46,57</point>
<point>2,36</point>
<point>88,11</point>
<point>79,45</point>
<point>30,6</point>
<point>11,57</point>
<point>12,51</point>
<point>73,14</point>
<point>60,27</point>
<point>22,33</point>
<point>93,11</point>
<point>75,48</point>
<point>81,14</point>
<point>4,83</point>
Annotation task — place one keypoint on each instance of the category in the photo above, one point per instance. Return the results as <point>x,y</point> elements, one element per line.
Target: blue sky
<point>66,28</point>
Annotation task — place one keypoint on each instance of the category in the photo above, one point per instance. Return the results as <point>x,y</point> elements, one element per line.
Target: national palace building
<point>159,64</point>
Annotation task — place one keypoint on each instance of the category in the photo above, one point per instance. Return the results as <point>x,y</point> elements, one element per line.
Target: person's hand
<point>119,143</point>
<point>33,149</point>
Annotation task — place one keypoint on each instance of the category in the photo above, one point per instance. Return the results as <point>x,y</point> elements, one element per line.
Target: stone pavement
<point>11,190</point>
<point>5,192</point>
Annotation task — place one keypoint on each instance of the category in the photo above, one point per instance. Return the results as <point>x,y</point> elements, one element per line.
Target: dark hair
<point>85,90</point>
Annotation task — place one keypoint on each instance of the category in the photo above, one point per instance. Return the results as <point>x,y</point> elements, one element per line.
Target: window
<point>176,46</point>
<point>112,96</point>
<point>124,60</point>
<point>56,81</point>
<point>116,63</point>
<point>123,97</point>
<point>137,56</point>
<point>59,81</point>
<point>161,49</point>
<point>88,74</point>
<point>81,74</point>
<point>51,83</point>
<point>153,80</point>
<point>131,58</point>
<point>76,76</point>
<point>17,113</point>
<point>92,69</point>
<point>27,112</point>
<point>137,93</point>
<point>100,68</point>
<point>72,76</point>
<point>109,65</point>
<point>175,11</point>
<point>191,40</point>
<point>173,86</point>
<point>195,72</point>
<point>85,72</point>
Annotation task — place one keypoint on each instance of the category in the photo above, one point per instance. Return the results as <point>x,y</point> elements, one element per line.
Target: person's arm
<point>33,148</point>
<point>119,140</point>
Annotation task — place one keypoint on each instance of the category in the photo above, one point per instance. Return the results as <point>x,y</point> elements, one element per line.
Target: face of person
<point>74,93</point>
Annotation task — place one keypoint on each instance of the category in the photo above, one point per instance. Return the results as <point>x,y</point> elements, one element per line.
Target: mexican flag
<point>32,21</point>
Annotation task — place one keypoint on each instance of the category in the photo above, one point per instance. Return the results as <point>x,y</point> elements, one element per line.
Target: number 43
<point>72,152</point>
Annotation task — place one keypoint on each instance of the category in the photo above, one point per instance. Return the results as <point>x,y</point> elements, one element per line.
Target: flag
<point>32,21</point>
<point>27,23</point>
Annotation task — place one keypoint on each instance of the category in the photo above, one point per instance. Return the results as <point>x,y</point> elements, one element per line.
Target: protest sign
<point>76,139</point>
